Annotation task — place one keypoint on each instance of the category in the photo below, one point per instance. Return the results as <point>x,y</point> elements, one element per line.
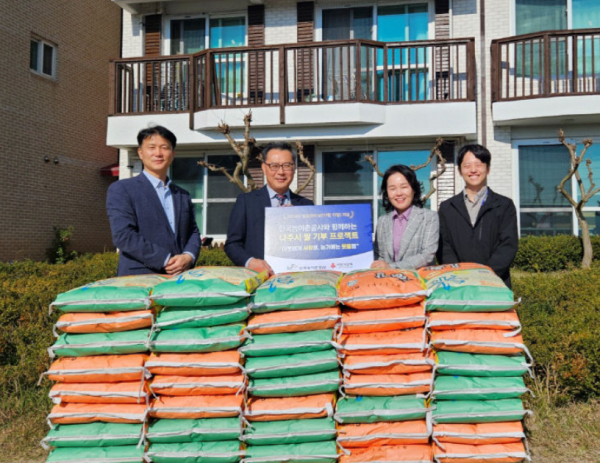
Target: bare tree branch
<point>434,152</point>
<point>232,178</point>
<point>248,146</point>
<point>440,167</point>
<point>370,160</point>
<point>584,196</point>
<point>306,161</point>
<point>572,169</point>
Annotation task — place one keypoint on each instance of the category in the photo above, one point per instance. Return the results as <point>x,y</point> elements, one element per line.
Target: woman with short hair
<point>407,236</point>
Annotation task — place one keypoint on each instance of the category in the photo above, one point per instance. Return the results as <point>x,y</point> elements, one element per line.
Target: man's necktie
<point>281,199</point>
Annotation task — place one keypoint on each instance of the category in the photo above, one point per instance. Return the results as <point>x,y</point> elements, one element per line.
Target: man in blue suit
<point>152,220</point>
<point>245,243</point>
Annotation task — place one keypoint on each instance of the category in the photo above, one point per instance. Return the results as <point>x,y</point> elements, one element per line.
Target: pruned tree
<point>248,151</point>
<point>434,153</point>
<point>584,195</point>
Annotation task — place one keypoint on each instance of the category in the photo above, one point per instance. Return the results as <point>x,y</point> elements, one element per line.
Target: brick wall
<point>280,21</point>
<point>63,119</point>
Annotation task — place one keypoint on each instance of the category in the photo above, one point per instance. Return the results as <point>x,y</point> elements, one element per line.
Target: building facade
<point>53,107</point>
<point>353,78</point>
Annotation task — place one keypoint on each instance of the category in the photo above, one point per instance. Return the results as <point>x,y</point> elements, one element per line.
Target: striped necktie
<point>280,198</point>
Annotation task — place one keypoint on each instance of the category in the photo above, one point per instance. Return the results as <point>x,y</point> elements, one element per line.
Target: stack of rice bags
<point>198,379</point>
<point>100,396</point>
<point>387,372</point>
<point>293,368</point>
<point>480,366</point>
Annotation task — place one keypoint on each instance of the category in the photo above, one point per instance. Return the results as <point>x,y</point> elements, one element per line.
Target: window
<point>221,195</point>
<point>188,36</point>
<point>543,209</point>
<point>213,195</point>
<point>408,75</point>
<point>348,179</point>
<point>543,15</point>
<point>42,58</point>
<point>348,23</point>
<point>227,33</point>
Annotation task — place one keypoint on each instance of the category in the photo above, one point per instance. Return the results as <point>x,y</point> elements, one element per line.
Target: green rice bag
<point>265,345</point>
<point>363,409</point>
<point>208,287</point>
<point>114,294</point>
<point>171,318</point>
<point>168,431</point>
<point>292,365</point>
<point>196,452</point>
<point>478,411</point>
<point>290,432</point>
<point>295,386</point>
<point>466,287</point>
<point>314,452</point>
<point>120,454</point>
<point>213,339</point>
<point>297,290</point>
<point>79,345</point>
<point>464,364</point>
<point>93,435</point>
<point>478,388</point>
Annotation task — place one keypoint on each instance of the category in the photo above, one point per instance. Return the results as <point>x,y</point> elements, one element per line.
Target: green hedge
<point>552,253</point>
<point>26,290</point>
<point>560,314</point>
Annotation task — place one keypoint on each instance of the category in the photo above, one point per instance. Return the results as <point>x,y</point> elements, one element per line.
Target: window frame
<point>375,5</point>
<point>513,16</point>
<point>376,196</point>
<point>516,144</point>
<point>41,43</point>
<point>205,201</point>
<point>166,25</point>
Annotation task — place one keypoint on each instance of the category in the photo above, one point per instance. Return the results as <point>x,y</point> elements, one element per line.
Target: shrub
<point>26,290</point>
<point>58,252</point>
<point>560,314</point>
<point>214,256</point>
<point>548,253</point>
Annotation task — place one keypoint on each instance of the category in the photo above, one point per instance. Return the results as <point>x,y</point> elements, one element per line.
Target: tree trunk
<point>586,262</point>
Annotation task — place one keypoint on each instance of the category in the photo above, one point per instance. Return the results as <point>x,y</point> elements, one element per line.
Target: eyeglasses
<point>286,166</point>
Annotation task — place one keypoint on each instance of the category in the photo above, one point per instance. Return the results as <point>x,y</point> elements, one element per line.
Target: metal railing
<point>296,74</point>
<point>545,64</point>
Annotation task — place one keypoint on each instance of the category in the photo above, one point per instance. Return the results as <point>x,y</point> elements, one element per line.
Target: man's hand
<point>178,264</point>
<point>259,265</point>
<point>380,264</point>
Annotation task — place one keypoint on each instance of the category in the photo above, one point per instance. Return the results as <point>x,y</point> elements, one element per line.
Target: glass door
<point>229,68</point>
<point>339,63</point>
<point>408,70</point>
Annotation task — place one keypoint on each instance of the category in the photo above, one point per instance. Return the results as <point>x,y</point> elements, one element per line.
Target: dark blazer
<point>246,230</point>
<point>493,241</point>
<point>140,228</point>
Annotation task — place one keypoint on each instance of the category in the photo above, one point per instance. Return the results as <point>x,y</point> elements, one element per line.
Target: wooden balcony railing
<point>296,74</point>
<point>545,64</point>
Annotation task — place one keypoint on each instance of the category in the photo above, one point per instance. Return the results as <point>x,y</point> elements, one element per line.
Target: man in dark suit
<point>152,220</point>
<point>478,225</point>
<point>245,243</point>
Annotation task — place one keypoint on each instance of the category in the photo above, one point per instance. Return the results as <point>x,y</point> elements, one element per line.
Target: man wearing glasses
<point>478,225</point>
<point>245,244</point>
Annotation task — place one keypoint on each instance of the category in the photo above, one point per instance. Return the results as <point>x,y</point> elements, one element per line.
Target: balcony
<point>320,84</point>
<point>540,78</point>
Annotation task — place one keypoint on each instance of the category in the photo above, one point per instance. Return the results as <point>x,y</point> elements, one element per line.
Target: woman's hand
<point>380,264</point>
